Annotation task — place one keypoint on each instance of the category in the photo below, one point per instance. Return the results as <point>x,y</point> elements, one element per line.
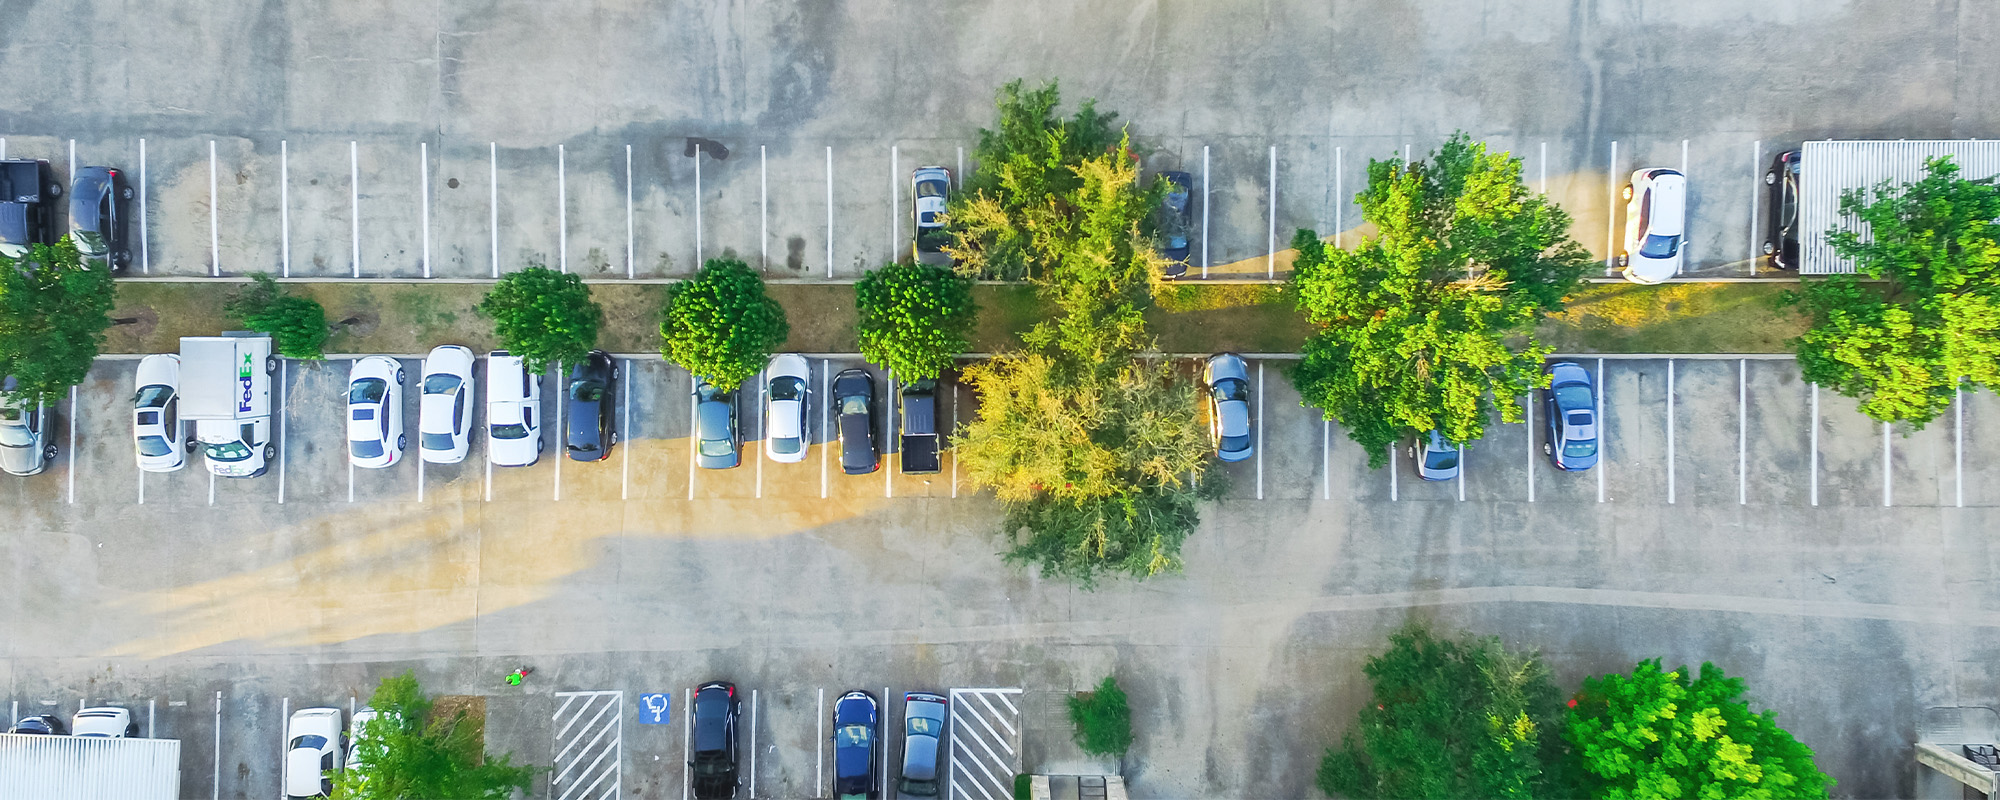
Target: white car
<point>156,408</point>
<point>364,720</point>
<point>313,752</point>
<point>931,186</point>
<point>1655,225</point>
<point>787,401</point>
<point>104,722</point>
<point>375,436</point>
<point>513,411</point>
<point>25,448</point>
<point>444,415</point>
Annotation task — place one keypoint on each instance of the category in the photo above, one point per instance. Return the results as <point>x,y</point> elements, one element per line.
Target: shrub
<point>297,325</point>
<point>1102,720</point>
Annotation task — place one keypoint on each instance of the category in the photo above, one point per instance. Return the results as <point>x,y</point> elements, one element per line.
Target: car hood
<point>1234,416</point>
<point>1226,367</point>
<point>20,460</point>
<point>1641,269</point>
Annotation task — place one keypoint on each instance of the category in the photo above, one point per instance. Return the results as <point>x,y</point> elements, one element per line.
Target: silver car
<point>923,744</point>
<point>1438,459</point>
<point>714,426</point>
<point>1228,379</point>
<point>24,445</point>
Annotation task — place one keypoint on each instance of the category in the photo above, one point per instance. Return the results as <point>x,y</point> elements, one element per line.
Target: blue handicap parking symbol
<point>654,709</point>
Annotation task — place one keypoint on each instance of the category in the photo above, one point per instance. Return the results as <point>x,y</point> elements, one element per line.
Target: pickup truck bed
<point>920,433</point>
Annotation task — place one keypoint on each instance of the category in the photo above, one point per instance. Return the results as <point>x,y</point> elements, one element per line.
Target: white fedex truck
<point>226,393</point>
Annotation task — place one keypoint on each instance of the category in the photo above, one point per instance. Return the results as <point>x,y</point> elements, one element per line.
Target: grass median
<point>1187,318</point>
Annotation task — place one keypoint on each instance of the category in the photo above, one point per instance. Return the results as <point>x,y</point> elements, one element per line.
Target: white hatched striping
<point>985,743</point>
<point>589,744</point>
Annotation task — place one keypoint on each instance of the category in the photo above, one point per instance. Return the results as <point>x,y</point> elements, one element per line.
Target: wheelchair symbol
<point>653,709</point>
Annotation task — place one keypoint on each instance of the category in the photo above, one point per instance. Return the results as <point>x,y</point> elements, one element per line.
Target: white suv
<point>1655,225</point>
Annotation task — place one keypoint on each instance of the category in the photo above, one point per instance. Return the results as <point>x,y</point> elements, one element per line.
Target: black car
<point>590,408</point>
<point>713,770</point>
<point>854,396</point>
<point>98,202</point>
<point>1176,221</point>
<point>1781,243</point>
<point>26,187</point>
<point>42,724</point>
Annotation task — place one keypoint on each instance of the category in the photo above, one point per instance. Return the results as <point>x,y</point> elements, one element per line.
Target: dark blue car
<point>1572,413</point>
<point>856,727</point>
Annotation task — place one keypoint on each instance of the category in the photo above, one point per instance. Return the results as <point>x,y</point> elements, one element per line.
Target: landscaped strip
<point>399,317</point>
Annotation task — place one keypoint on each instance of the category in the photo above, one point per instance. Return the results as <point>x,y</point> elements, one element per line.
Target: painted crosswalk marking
<point>589,744</point>
<point>985,743</point>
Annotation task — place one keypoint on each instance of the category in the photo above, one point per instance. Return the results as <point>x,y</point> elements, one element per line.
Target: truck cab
<point>226,392</point>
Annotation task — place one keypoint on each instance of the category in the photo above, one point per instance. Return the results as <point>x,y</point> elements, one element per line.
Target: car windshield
<point>923,726</point>
<point>436,441</point>
<point>510,430</point>
<point>857,404</point>
<point>309,742</point>
<point>588,391</point>
<point>1232,444</point>
<point>1231,389</point>
<point>787,388</point>
<point>227,451</point>
<point>785,446</point>
<point>367,390</point>
<point>15,436</point>
<point>1573,397</point>
<point>930,188</point>
<point>154,446</point>
<point>441,384</point>
<point>1657,246</point>
<point>152,396</point>
<point>1580,448</point>
<point>1440,459</point>
<point>852,736</point>
<point>717,447</point>
<point>366,448</point>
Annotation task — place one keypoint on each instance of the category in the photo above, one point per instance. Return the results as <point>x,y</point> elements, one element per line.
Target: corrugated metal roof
<point>1828,169</point>
<point>85,768</point>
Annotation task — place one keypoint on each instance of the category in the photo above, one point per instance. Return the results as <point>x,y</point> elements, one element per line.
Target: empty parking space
<point>793,175</point>
<point>1494,468</point>
<point>861,210</point>
<point>1635,416</point>
<point>1977,462</point>
<point>463,194</point>
<point>531,218</point>
<point>109,474</point>
<point>390,182</point>
<point>1850,454</point>
<point>1705,431</point>
<point>314,447</point>
<point>1294,463</point>
<point>1920,463</point>
<point>653,463</point>
<point>730,199</point>
<point>1778,451</point>
<point>593,190</point>
<point>1238,212</point>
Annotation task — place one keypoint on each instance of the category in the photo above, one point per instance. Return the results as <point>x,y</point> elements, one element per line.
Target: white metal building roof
<point>1827,169</point>
<point>88,768</point>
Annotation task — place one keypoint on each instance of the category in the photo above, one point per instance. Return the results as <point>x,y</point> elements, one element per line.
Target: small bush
<point>1103,721</point>
<point>297,325</point>
<point>1024,786</point>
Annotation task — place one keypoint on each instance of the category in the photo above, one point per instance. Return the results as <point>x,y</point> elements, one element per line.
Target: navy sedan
<point>856,726</point>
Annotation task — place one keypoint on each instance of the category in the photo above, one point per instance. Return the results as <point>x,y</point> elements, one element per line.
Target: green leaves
<point>1102,719</point>
<point>914,319</point>
<point>1904,347</point>
<point>1014,214</point>
<point>721,325</point>
<point>54,310</point>
<point>297,324</point>
<point>1428,323</point>
<point>410,751</point>
<point>543,316</point>
<point>1657,734</point>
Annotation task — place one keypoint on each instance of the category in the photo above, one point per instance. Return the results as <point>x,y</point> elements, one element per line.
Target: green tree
<point>543,316</point>
<point>1102,719</point>
<point>1655,734</point>
<point>297,325</point>
<point>914,319</point>
<point>413,752</point>
<point>54,310</point>
<point>1905,345</point>
<point>1428,323</point>
<point>1449,718</point>
<point>999,222</point>
<point>721,325</point>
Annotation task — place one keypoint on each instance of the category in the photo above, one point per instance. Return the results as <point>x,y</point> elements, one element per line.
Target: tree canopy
<point>721,325</point>
<point>914,319</point>
<point>1655,734</point>
<point>1450,718</point>
<point>54,310</point>
<point>411,751</point>
<point>543,316</point>
<point>1428,323</point>
<point>1905,345</point>
<point>1000,221</point>
<point>297,325</point>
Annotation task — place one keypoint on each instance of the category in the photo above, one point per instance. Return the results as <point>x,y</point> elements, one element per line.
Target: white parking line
<point>1459,477</point>
<point>763,207</point>
<point>489,472</point>
<point>1528,405</point>
<point>895,202</point>
<point>1815,444</point>
<point>952,452</point>
<point>562,437</point>
<point>628,213</point>
<point>1958,444</point>
<point>285,205</point>
<point>145,253</point>
<point>829,212</point>
<point>886,731</point>
<point>1756,190</point>
<point>694,440</point>
<point>1394,467</point>
<point>958,177</point>
<point>819,751</point>
<point>753,744</point>
<point>420,466</point>
<point>825,422</point>
<point>72,160</point>
<point>211,486</point>
<point>562,205</point>
<point>1603,434</point>
<point>1545,168</point>
<point>354,198</point>
<point>1670,431</point>
<point>424,202</point>
<point>1204,211</point>
<point>1325,458</point>
<point>1339,193</point>
<point>1742,431</point>
<point>72,409</point>
<point>1687,242</point>
<point>1260,430</point>
<point>493,208</point>
<point>215,778</point>
<point>687,733</point>
<point>1271,234</point>
<point>697,208</point>
<point>284,371</point>
<point>142,490</point>
<point>214,236</point>
<point>1887,471</point>
<point>625,426</point>
<point>284,721</point>
<point>1611,210</point>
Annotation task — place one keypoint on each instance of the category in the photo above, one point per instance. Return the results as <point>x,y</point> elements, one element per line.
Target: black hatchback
<point>854,395</point>
<point>98,201</point>
<point>590,407</point>
<point>716,708</point>
<point>1781,242</point>
<point>40,724</point>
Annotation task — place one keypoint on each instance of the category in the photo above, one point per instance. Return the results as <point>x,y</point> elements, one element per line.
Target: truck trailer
<point>226,393</point>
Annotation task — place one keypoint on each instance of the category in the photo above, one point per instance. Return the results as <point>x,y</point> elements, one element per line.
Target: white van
<point>226,393</point>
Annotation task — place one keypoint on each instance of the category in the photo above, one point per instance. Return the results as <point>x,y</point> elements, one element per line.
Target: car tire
<point>1548,449</point>
<point>402,441</point>
<point>125,193</point>
<point>190,445</point>
<point>540,445</point>
<point>1624,261</point>
<point>1770,177</point>
<point>1626,192</point>
<point>55,190</point>
<point>614,374</point>
<point>614,437</point>
<point>1769,248</point>
<point>270,364</point>
<point>270,452</point>
<point>48,452</point>
<point>400,377</point>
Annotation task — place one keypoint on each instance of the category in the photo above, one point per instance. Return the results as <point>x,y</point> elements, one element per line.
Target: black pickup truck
<point>26,188</point>
<point>920,432</point>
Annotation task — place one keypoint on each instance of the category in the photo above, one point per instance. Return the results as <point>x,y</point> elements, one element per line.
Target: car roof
<point>1235,416</point>
<point>1669,216</point>
<point>713,416</point>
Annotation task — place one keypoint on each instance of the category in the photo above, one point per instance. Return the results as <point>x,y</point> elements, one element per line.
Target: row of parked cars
<point>858,740</point>
<point>99,208</point>
<point>1656,220</point>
